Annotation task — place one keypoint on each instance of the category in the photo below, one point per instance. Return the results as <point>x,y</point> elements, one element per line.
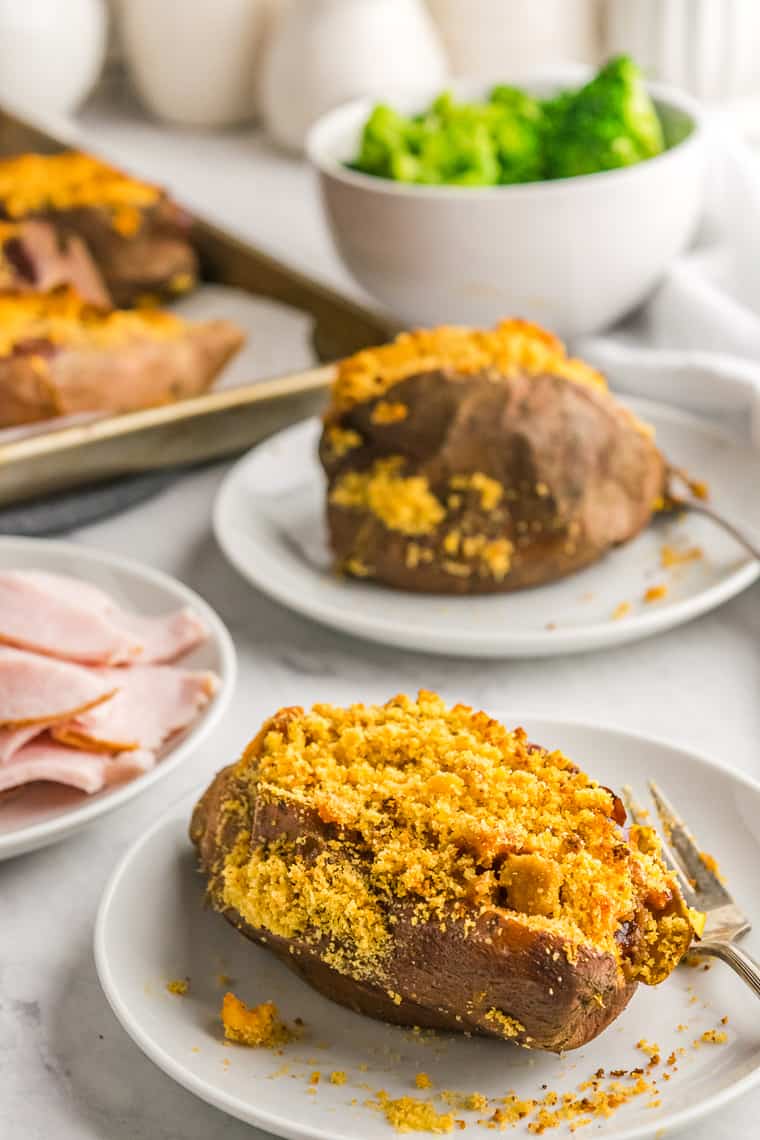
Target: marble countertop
<point>67,1070</point>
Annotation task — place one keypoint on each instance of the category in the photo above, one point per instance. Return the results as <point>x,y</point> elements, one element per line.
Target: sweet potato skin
<point>578,476</point>
<point>443,979</point>
<point>41,380</point>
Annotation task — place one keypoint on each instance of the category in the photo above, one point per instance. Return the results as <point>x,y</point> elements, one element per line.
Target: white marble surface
<point>67,1070</point>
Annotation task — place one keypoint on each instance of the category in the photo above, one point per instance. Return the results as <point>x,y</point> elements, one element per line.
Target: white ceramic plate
<point>269,521</point>
<point>44,813</point>
<point>152,927</point>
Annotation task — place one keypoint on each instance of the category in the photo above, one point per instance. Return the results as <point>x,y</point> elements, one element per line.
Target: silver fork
<point>702,889</point>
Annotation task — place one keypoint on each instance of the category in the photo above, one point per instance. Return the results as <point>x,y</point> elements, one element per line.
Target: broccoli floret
<point>611,122</point>
<point>464,144</point>
<point>386,141</point>
<point>519,132</point>
<point>513,137</point>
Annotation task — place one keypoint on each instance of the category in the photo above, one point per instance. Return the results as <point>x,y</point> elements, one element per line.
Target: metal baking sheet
<point>220,423</point>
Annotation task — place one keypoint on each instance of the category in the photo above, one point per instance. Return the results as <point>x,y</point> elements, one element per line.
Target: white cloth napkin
<point>696,342</point>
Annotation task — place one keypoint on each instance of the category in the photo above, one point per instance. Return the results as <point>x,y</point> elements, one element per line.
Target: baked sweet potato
<point>35,258</point>
<point>59,356</point>
<point>465,462</point>
<point>425,866</point>
<point>137,235</point>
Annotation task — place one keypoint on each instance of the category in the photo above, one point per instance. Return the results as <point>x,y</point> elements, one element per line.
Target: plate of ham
<point>110,674</point>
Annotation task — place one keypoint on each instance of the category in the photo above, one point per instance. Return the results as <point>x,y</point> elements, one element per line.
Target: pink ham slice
<point>12,739</point>
<point>46,759</point>
<point>74,620</point>
<point>37,691</point>
<point>153,702</point>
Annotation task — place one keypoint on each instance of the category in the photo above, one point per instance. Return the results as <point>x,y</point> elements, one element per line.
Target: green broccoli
<point>464,144</point>
<point>611,122</point>
<point>519,131</point>
<point>513,137</point>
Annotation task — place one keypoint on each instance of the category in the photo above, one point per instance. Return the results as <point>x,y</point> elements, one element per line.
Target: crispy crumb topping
<point>62,318</point>
<point>451,813</point>
<point>402,503</point>
<point>257,1026</point>
<point>31,183</point>
<point>513,346</point>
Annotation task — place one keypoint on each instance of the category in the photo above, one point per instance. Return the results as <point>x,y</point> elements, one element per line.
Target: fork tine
<point>639,817</point>
<point>705,885</point>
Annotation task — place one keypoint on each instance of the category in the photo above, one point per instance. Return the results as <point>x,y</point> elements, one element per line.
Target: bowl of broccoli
<point>562,199</point>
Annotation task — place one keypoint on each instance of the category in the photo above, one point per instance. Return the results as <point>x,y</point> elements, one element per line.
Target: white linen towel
<point>696,342</point>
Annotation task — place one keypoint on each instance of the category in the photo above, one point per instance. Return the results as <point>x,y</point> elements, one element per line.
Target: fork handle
<point>739,961</point>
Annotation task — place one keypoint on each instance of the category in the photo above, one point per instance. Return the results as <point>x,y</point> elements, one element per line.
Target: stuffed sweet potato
<point>138,237</point>
<point>470,462</point>
<point>425,866</point>
<point>59,356</point>
<point>36,258</point>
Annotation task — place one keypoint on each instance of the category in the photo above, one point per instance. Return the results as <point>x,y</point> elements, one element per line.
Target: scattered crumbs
<point>648,1047</point>
<point>224,980</point>
<point>178,986</point>
<point>670,556</point>
<point>409,1114</point>
<point>226,1063</point>
<point>698,488</point>
<point>255,1026</point>
<point>711,1037</point>
<point>551,625</point>
<point>423,1081</point>
<point>363,1067</point>
<point>656,593</point>
<point>315,1077</point>
<point>621,611</point>
<point>338,1077</point>
<point>470,1102</point>
<point>681,1028</point>
<point>724,1020</point>
<point>312,1091</point>
<point>195,1049</point>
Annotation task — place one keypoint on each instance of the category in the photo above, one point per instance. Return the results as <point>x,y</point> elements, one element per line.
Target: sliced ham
<point>74,620</point>
<point>46,759</point>
<point>33,616</point>
<point>12,739</point>
<point>35,690</point>
<point>152,703</point>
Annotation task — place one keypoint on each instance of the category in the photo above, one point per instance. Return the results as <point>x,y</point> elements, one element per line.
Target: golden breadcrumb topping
<point>513,346</point>
<point>402,503</point>
<point>342,440</point>
<point>389,412</point>
<point>62,318</point>
<point>490,490</point>
<point>445,809</point>
<point>32,183</point>
<point>257,1026</point>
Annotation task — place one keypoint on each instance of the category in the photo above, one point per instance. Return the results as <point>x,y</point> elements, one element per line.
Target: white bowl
<point>575,254</point>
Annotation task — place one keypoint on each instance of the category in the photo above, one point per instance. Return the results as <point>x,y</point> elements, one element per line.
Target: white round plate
<point>269,521</point>
<point>40,814</point>
<point>152,927</point>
